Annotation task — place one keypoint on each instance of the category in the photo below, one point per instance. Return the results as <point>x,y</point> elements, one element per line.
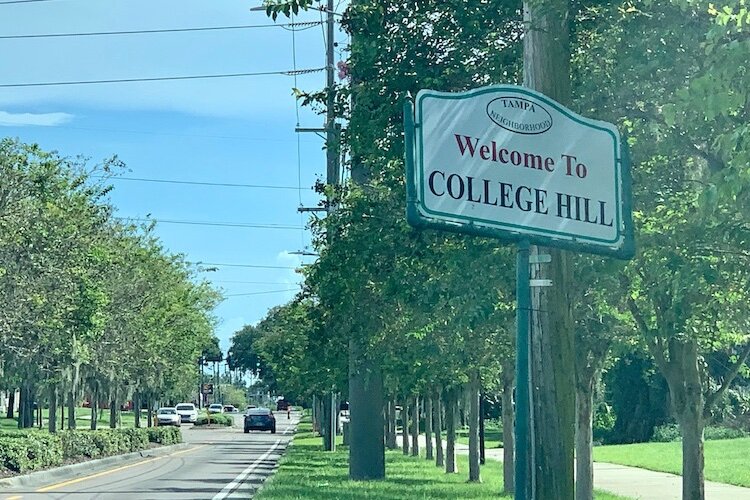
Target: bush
<point>666,433</point>
<point>135,439</point>
<point>165,435</point>
<point>217,419</point>
<point>27,451</point>
<point>715,432</point>
<point>33,450</point>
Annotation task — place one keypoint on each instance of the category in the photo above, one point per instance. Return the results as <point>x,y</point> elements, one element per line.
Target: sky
<point>237,130</point>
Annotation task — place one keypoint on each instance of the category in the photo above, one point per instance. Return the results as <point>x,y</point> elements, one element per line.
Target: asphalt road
<point>218,464</point>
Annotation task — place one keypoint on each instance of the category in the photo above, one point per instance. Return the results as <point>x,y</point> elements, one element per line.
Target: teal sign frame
<point>420,216</point>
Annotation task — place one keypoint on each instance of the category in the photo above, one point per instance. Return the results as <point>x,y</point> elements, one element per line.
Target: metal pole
<point>523,396</point>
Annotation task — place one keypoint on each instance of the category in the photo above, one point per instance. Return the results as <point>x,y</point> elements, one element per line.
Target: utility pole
<point>552,412</point>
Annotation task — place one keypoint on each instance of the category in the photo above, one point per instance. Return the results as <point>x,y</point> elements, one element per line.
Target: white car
<point>187,412</point>
<point>168,416</point>
<point>216,408</point>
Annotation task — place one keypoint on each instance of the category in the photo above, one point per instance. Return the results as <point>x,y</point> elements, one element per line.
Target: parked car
<point>216,408</point>
<point>168,416</point>
<point>260,419</point>
<point>344,416</point>
<point>230,409</point>
<point>187,412</point>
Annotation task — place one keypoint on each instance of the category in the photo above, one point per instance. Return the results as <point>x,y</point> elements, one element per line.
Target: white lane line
<point>241,477</point>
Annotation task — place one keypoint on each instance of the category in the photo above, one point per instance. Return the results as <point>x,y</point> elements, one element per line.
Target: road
<point>218,464</point>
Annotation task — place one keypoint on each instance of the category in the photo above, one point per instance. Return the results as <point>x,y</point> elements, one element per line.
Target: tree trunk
<point>21,407</point>
<point>94,408</point>
<point>439,454</point>
<point>450,432</point>
<point>366,423</point>
<point>429,455</point>
<point>547,70</point>
<point>72,409</point>
<point>11,403</point>
<point>137,409</point>
<point>315,414</point>
<point>584,445</point>
<point>150,413</point>
<point>325,424</point>
<point>691,428</point>
<point>52,417</point>
<point>113,407</point>
<point>405,426</point>
<point>415,427</point>
<point>508,377</point>
<point>473,391</point>
<point>391,437</point>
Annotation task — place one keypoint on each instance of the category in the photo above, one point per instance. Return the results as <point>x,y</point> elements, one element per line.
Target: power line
<point>253,266</point>
<point>252,282</point>
<point>162,78</point>
<point>24,1</point>
<point>292,26</point>
<point>261,293</point>
<point>197,183</point>
<point>208,223</point>
<point>156,132</point>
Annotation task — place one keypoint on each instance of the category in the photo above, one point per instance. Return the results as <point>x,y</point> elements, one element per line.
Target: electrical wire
<point>287,26</point>
<point>253,266</point>
<point>261,293</point>
<point>163,78</point>
<point>248,225</point>
<point>253,282</point>
<point>23,1</point>
<point>195,183</point>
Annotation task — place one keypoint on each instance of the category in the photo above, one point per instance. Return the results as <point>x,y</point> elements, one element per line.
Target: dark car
<point>260,419</point>
<point>282,405</point>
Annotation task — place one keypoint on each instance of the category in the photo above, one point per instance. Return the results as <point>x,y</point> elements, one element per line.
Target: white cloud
<point>37,119</point>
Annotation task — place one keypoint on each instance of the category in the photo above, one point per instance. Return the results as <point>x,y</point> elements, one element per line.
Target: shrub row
<point>217,418</point>
<point>671,432</point>
<point>27,451</point>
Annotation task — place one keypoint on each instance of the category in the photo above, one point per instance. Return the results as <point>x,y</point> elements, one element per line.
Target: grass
<point>727,461</point>
<point>493,435</point>
<point>307,472</point>
<point>83,420</point>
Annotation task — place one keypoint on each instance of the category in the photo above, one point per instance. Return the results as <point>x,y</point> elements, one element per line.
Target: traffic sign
<point>508,162</point>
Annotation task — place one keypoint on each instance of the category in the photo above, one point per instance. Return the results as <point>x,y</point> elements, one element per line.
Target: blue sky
<point>234,130</point>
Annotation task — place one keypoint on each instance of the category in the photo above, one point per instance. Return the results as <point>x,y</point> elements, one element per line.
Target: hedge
<point>26,451</point>
<point>217,418</point>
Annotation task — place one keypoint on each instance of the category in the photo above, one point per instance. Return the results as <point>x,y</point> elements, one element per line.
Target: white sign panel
<point>510,160</point>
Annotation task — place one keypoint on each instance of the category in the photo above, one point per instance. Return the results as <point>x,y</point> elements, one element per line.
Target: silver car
<point>168,416</point>
<point>187,412</point>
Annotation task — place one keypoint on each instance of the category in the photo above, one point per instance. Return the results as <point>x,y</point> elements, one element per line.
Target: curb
<point>81,468</point>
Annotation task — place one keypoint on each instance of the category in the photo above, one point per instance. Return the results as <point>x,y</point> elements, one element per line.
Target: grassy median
<point>727,460</point>
<point>307,472</point>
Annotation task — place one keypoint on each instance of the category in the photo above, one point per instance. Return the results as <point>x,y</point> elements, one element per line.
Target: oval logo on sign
<point>519,115</point>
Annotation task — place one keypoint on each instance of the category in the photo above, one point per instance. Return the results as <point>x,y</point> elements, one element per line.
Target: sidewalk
<point>631,482</point>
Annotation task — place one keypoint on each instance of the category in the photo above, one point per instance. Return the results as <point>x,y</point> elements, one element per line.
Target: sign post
<point>508,162</point>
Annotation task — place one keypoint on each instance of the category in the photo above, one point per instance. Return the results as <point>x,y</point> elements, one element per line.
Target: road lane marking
<point>110,471</point>
<point>228,489</point>
<point>14,497</point>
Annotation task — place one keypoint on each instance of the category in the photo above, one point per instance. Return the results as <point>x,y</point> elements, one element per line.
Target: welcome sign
<point>508,162</point>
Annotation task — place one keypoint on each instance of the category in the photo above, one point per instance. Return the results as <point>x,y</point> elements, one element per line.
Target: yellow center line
<point>110,471</point>
<point>14,497</point>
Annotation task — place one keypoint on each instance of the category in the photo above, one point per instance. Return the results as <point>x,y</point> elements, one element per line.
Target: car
<point>168,416</point>
<point>260,419</point>
<point>187,412</point>
<point>216,408</point>
<point>282,405</point>
<point>230,409</point>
